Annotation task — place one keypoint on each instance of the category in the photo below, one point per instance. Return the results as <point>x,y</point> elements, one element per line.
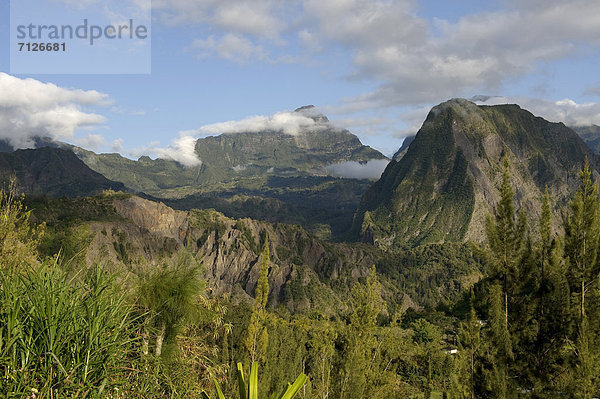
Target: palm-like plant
<point>249,390</point>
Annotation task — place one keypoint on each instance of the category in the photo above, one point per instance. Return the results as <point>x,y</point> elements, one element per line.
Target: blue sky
<point>375,67</point>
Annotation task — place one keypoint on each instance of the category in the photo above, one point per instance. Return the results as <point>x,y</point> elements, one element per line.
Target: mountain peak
<point>444,185</point>
<point>312,112</point>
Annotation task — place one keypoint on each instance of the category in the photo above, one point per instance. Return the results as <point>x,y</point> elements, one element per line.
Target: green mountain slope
<point>53,172</point>
<point>444,186</point>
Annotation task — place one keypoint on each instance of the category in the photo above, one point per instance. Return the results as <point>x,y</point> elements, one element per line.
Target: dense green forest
<point>528,328</point>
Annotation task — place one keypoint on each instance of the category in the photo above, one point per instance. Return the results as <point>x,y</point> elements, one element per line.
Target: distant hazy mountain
<point>53,172</point>
<point>591,136</point>
<point>445,185</point>
<point>403,148</point>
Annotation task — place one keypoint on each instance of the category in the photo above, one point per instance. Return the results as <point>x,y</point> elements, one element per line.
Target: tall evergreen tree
<point>506,235</point>
<point>500,349</point>
<point>552,307</point>
<point>469,347</point>
<point>360,341</point>
<point>582,231</point>
<point>582,234</point>
<point>545,247</point>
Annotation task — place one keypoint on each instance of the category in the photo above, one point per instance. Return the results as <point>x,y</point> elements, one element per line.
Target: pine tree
<point>258,338</point>
<point>544,249</point>
<point>506,234</point>
<point>582,230</point>
<point>361,342</point>
<point>499,345</point>
<point>582,234</point>
<point>506,237</point>
<point>552,305</point>
<point>469,346</point>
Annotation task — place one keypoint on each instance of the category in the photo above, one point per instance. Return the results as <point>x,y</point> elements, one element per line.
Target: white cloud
<point>479,51</point>
<point>91,142</point>
<point>292,123</point>
<point>411,60</point>
<point>231,47</point>
<point>117,145</point>
<point>258,18</point>
<point>371,169</point>
<point>182,150</point>
<point>30,108</point>
<point>567,111</point>
<point>255,18</point>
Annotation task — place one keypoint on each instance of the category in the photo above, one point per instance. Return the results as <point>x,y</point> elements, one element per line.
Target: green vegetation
<point>250,390</point>
<point>513,317</point>
<point>322,205</point>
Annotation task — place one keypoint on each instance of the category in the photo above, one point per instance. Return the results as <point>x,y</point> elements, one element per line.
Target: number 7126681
<point>42,46</point>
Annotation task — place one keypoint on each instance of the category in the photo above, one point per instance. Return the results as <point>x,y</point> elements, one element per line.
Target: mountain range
<point>414,223</point>
<point>439,187</point>
<point>271,175</point>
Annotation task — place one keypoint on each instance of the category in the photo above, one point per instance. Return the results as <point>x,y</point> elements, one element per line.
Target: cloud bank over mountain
<point>287,122</point>
<point>357,170</point>
<point>567,111</point>
<point>293,123</point>
<point>30,108</point>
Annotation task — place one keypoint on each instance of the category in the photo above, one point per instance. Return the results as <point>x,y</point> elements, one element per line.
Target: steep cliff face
<point>444,186</point>
<point>155,217</point>
<point>303,268</point>
<point>128,235</point>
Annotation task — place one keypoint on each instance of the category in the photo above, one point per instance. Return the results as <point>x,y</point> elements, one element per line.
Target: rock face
<point>53,172</point>
<point>444,186</point>
<point>155,217</point>
<point>303,268</point>
<point>129,235</point>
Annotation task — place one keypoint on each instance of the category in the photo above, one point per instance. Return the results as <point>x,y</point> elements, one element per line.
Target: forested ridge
<point>528,328</point>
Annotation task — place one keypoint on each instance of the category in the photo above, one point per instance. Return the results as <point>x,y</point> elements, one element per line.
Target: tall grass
<point>62,336</point>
